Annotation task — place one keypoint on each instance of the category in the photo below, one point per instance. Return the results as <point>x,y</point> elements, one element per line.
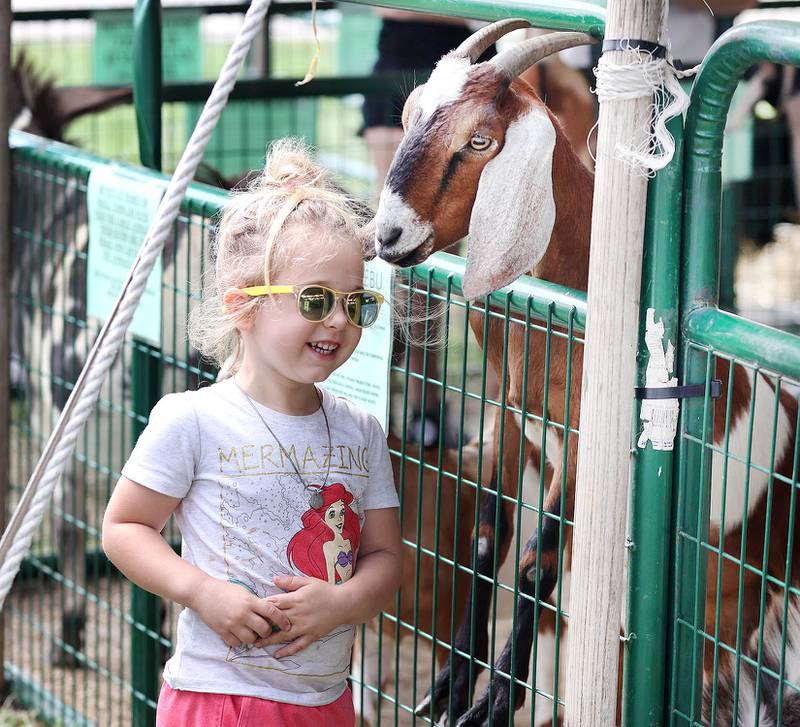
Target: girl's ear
<point>235,303</point>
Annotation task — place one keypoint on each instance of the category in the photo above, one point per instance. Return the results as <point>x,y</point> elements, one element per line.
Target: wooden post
<point>5,281</point>
<point>607,392</point>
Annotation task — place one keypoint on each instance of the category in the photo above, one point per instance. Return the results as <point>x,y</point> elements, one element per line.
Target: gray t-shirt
<point>245,517</point>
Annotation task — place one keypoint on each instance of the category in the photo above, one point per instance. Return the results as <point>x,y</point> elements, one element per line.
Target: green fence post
<point>146,360</point>
<point>725,62</point>
<point>643,679</point>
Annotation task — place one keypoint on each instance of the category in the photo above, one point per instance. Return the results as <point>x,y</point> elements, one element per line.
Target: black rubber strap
<point>679,392</point>
<point>645,46</point>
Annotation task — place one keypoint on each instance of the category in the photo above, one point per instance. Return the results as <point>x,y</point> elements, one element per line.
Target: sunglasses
<point>316,303</point>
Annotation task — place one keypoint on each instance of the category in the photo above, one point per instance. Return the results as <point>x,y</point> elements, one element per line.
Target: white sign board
<point>120,209</point>
<point>364,378</point>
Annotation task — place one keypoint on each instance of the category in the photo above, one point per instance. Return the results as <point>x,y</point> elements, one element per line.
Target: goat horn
<point>474,46</point>
<point>513,61</point>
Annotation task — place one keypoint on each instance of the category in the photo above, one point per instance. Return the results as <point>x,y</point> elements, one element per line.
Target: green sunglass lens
<point>315,303</point>
<point>362,309</point>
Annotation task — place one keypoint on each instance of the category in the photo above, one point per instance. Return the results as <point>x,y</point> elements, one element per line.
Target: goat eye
<point>479,142</point>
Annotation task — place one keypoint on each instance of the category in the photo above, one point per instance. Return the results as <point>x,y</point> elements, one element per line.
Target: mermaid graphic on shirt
<point>326,547</point>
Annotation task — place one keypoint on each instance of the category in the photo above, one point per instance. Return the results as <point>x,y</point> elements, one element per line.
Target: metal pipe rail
<point>571,15</point>
<point>707,331</point>
<point>545,299</point>
<point>87,13</point>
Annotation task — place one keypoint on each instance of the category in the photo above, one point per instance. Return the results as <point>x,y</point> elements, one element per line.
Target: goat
<point>760,697</point>
<point>37,106</point>
<point>423,494</point>
<point>483,155</point>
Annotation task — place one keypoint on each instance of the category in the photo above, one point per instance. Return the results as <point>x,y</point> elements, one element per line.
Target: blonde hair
<point>254,240</point>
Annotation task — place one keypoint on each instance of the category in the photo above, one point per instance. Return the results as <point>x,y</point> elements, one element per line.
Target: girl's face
<point>334,516</point>
<point>280,344</point>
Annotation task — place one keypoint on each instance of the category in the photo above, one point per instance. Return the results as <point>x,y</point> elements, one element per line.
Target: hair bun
<point>289,166</point>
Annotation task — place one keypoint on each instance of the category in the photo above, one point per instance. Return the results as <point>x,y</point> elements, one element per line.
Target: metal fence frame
<point>706,328</point>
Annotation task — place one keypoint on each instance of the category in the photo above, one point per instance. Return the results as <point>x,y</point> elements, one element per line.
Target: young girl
<point>283,492</point>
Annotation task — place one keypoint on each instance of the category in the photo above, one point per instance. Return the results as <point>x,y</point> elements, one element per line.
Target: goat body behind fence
<point>483,155</point>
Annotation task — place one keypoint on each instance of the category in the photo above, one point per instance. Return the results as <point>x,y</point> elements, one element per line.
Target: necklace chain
<point>315,499</point>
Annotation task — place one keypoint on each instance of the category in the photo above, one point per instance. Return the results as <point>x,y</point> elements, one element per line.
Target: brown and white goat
<point>430,526</point>
<point>484,156</point>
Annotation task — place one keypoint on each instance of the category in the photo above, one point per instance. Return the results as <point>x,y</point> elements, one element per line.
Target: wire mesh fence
<point>70,619</point>
<point>734,632</point>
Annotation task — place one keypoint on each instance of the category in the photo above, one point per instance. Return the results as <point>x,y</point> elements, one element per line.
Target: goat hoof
<point>440,701</point>
<point>478,716</point>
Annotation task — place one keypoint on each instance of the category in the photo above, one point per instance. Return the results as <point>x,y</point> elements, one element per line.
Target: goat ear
<point>410,106</point>
<point>75,102</point>
<point>514,211</point>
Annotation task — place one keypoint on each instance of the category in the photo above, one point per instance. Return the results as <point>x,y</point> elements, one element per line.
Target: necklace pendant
<point>316,500</point>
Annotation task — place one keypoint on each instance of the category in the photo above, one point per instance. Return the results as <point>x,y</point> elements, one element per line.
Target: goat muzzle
<point>388,237</point>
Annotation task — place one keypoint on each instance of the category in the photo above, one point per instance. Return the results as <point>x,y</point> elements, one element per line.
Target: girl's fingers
<point>279,637</point>
<point>295,646</point>
<point>262,627</point>
<point>232,640</point>
<point>291,583</point>
<point>273,614</point>
<point>244,635</point>
<point>280,600</point>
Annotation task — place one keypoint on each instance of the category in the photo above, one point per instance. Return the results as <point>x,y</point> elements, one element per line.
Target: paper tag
<point>659,416</point>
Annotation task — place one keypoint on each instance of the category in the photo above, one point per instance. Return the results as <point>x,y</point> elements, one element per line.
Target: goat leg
<point>70,539</point>
<point>497,698</point>
<point>461,671</point>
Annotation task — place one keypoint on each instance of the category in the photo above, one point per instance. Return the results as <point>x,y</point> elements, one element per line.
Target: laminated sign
<point>120,209</point>
<point>364,378</point>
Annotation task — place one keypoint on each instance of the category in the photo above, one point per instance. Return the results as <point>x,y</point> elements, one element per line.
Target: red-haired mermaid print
<point>326,546</point>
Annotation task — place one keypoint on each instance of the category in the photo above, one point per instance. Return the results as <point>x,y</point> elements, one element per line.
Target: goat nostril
<point>389,237</point>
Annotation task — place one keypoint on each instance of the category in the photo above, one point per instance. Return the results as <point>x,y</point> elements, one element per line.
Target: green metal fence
<point>89,46</point>
<point>440,493</point>
<point>735,570</point>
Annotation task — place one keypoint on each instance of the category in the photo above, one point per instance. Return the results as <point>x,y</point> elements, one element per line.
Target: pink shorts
<point>179,708</point>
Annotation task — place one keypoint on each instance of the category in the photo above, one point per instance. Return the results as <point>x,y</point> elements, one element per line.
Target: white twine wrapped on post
<point>30,509</point>
<point>650,75</point>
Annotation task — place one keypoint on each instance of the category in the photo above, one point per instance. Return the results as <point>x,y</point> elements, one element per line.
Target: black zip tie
<point>656,50</point>
<point>679,392</point>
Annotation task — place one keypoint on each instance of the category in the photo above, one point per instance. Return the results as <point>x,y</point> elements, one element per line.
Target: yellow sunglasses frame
<point>255,291</point>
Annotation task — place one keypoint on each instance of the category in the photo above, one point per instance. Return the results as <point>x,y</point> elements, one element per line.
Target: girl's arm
<point>132,540</point>
<point>316,608</point>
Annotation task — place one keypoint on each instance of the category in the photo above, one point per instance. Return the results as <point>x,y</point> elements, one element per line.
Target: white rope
<point>30,510</point>
<point>642,78</point>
